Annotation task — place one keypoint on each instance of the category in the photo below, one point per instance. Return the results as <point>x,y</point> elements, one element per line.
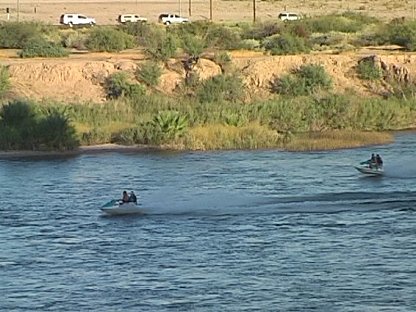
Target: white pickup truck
<point>168,19</point>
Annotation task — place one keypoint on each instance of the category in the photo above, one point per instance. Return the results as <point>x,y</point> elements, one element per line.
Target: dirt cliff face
<point>81,78</point>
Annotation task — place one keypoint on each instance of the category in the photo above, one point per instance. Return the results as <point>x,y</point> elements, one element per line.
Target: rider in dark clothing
<point>379,161</point>
<point>125,198</point>
<point>372,162</point>
<point>132,197</point>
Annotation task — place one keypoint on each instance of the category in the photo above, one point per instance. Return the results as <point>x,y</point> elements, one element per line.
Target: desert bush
<point>304,80</point>
<point>196,28</point>
<point>250,44</point>
<point>141,31</point>
<point>75,39</point>
<point>39,47</point>
<point>17,34</point>
<point>223,59</point>
<point>223,37</point>
<point>109,40</point>
<point>403,90</point>
<point>402,33</point>
<point>221,88</point>
<point>4,80</point>
<point>331,39</point>
<point>346,23</point>
<point>368,70</point>
<point>286,44</point>
<point>259,31</point>
<point>149,73</point>
<point>298,29</point>
<point>193,45</point>
<point>162,46</point>
<point>118,85</point>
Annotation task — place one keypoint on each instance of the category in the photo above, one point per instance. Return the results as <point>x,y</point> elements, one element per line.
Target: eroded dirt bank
<point>80,78</point>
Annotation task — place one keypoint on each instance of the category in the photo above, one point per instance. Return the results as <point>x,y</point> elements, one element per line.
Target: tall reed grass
<point>310,122</point>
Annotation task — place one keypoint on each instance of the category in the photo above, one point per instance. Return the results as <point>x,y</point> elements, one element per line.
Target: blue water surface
<point>223,231</point>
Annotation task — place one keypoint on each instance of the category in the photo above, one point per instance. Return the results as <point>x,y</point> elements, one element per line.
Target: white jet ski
<point>366,169</point>
<point>116,207</point>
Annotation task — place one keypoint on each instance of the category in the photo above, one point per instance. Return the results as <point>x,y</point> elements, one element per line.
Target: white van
<point>76,19</point>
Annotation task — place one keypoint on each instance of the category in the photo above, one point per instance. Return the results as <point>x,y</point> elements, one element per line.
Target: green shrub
<point>56,133</point>
<point>223,59</point>
<point>39,47</point>
<point>193,45</point>
<point>16,34</point>
<point>250,44</point>
<point>223,37</point>
<point>170,124</point>
<point>197,28</point>
<point>340,23</point>
<point>368,70</point>
<point>135,91</point>
<point>142,31</point>
<point>17,113</point>
<point>128,136</point>
<point>164,127</point>
<point>109,40</point>
<point>402,33</point>
<point>221,88</point>
<point>307,79</point>
<point>288,85</point>
<point>327,40</point>
<point>75,39</point>
<point>95,136</point>
<point>149,73</point>
<point>259,31</point>
<point>4,80</point>
<point>161,47</point>
<point>23,127</point>
<point>117,85</point>
<point>286,44</point>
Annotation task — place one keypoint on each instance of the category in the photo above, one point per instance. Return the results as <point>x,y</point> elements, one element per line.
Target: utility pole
<point>210,10</point>
<point>18,10</point>
<point>190,7</point>
<point>254,11</point>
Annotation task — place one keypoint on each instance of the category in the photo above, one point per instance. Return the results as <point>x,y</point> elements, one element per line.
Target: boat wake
<point>233,204</point>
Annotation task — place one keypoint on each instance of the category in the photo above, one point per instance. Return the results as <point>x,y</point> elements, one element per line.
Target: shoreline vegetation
<point>309,142</point>
<point>303,111</point>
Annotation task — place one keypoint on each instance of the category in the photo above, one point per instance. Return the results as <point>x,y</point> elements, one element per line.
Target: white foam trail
<point>404,170</point>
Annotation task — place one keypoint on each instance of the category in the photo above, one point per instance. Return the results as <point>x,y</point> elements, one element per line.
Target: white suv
<point>289,16</point>
<point>131,18</point>
<point>167,19</point>
<point>76,19</point>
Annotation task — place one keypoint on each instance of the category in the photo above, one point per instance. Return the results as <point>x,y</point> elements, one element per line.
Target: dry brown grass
<point>215,137</point>
<point>337,139</point>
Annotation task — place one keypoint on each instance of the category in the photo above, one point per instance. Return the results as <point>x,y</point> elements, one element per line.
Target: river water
<point>224,231</point>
